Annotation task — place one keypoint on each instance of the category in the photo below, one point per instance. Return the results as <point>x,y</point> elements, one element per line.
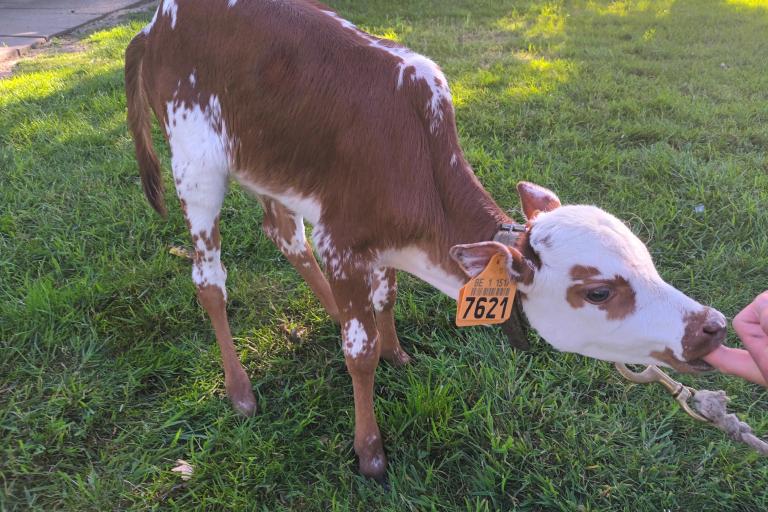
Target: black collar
<point>508,233</point>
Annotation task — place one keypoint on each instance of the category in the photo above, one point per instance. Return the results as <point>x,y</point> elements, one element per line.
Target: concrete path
<point>25,23</point>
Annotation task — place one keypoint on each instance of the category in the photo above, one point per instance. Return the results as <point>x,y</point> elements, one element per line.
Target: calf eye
<point>599,295</point>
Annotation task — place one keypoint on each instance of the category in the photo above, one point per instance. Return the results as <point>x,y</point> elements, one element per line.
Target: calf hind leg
<point>383,297</point>
<point>286,229</point>
<point>201,193</point>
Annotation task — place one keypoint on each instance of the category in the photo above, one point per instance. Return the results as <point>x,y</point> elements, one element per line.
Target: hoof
<point>397,357</point>
<point>245,407</point>
<point>241,396</point>
<point>373,462</point>
<point>375,467</point>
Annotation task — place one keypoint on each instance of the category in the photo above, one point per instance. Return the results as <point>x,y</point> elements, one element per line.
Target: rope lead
<point>710,406</point>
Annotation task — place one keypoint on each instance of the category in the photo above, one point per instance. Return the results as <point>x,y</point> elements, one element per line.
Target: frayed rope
<point>712,405</point>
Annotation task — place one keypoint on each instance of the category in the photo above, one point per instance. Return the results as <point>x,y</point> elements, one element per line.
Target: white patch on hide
<point>344,23</point>
<point>170,7</point>
<point>297,244</point>
<point>151,24</point>
<point>336,260</point>
<point>416,262</point>
<point>355,339</point>
<point>192,78</point>
<point>380,288</point>
<point>290,244</point>
<point>200,161</point>
<point>419,66</point>
<point>306,206</point>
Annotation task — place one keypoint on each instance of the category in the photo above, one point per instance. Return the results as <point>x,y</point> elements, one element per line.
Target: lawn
<point>656,110</point>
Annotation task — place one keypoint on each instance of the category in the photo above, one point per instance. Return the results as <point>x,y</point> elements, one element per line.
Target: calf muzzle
<point>704,332</point>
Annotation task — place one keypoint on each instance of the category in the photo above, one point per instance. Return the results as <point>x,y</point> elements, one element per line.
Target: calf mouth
<point>693,366</point>
<point>668,358</point>
<point>697,363</point>
<point>699,366</point>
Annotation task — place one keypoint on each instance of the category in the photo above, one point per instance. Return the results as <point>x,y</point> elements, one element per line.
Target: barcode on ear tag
<point>487,298</point>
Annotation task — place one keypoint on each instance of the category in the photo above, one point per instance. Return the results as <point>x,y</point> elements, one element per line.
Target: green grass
<point>108,367</point>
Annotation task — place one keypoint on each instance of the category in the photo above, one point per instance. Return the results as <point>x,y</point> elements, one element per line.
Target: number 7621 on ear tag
<point>487,298</point>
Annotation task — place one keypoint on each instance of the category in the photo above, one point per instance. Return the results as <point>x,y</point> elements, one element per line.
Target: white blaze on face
<point>652,317</point>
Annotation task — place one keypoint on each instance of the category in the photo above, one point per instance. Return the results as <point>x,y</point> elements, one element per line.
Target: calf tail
<point>140,124</point>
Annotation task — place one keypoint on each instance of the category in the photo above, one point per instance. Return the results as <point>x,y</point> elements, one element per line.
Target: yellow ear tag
<point>487,298</point>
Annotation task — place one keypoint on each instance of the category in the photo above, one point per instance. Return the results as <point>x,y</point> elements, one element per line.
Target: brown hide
<point>313,107</point>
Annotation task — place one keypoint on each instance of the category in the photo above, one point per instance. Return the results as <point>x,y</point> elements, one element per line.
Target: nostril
<point>704,332</point>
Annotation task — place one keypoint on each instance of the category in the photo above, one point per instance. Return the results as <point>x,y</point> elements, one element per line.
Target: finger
<point>744,319</point>
<point>759,306</point>
<point>764,320</point>
<point>757,346</point>
<point>738,362</point>
<point>761,302</point>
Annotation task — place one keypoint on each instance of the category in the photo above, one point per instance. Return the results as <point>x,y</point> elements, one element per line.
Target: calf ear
<point>535,199</point>
<point>473,258</point>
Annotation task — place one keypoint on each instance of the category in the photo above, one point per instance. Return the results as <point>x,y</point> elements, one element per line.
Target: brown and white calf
<point>356,135</point>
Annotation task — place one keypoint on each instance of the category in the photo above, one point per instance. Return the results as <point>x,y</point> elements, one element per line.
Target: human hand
<point>751,324</point>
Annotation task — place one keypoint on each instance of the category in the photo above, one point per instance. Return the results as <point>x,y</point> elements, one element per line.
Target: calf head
<point>589,286</point>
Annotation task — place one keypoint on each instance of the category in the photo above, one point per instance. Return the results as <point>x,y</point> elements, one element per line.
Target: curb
<point>15,51</point>
<point>21,45</point>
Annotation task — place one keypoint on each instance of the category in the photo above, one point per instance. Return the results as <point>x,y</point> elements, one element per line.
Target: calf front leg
<point>360,341</point>
<point>383,297</point>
